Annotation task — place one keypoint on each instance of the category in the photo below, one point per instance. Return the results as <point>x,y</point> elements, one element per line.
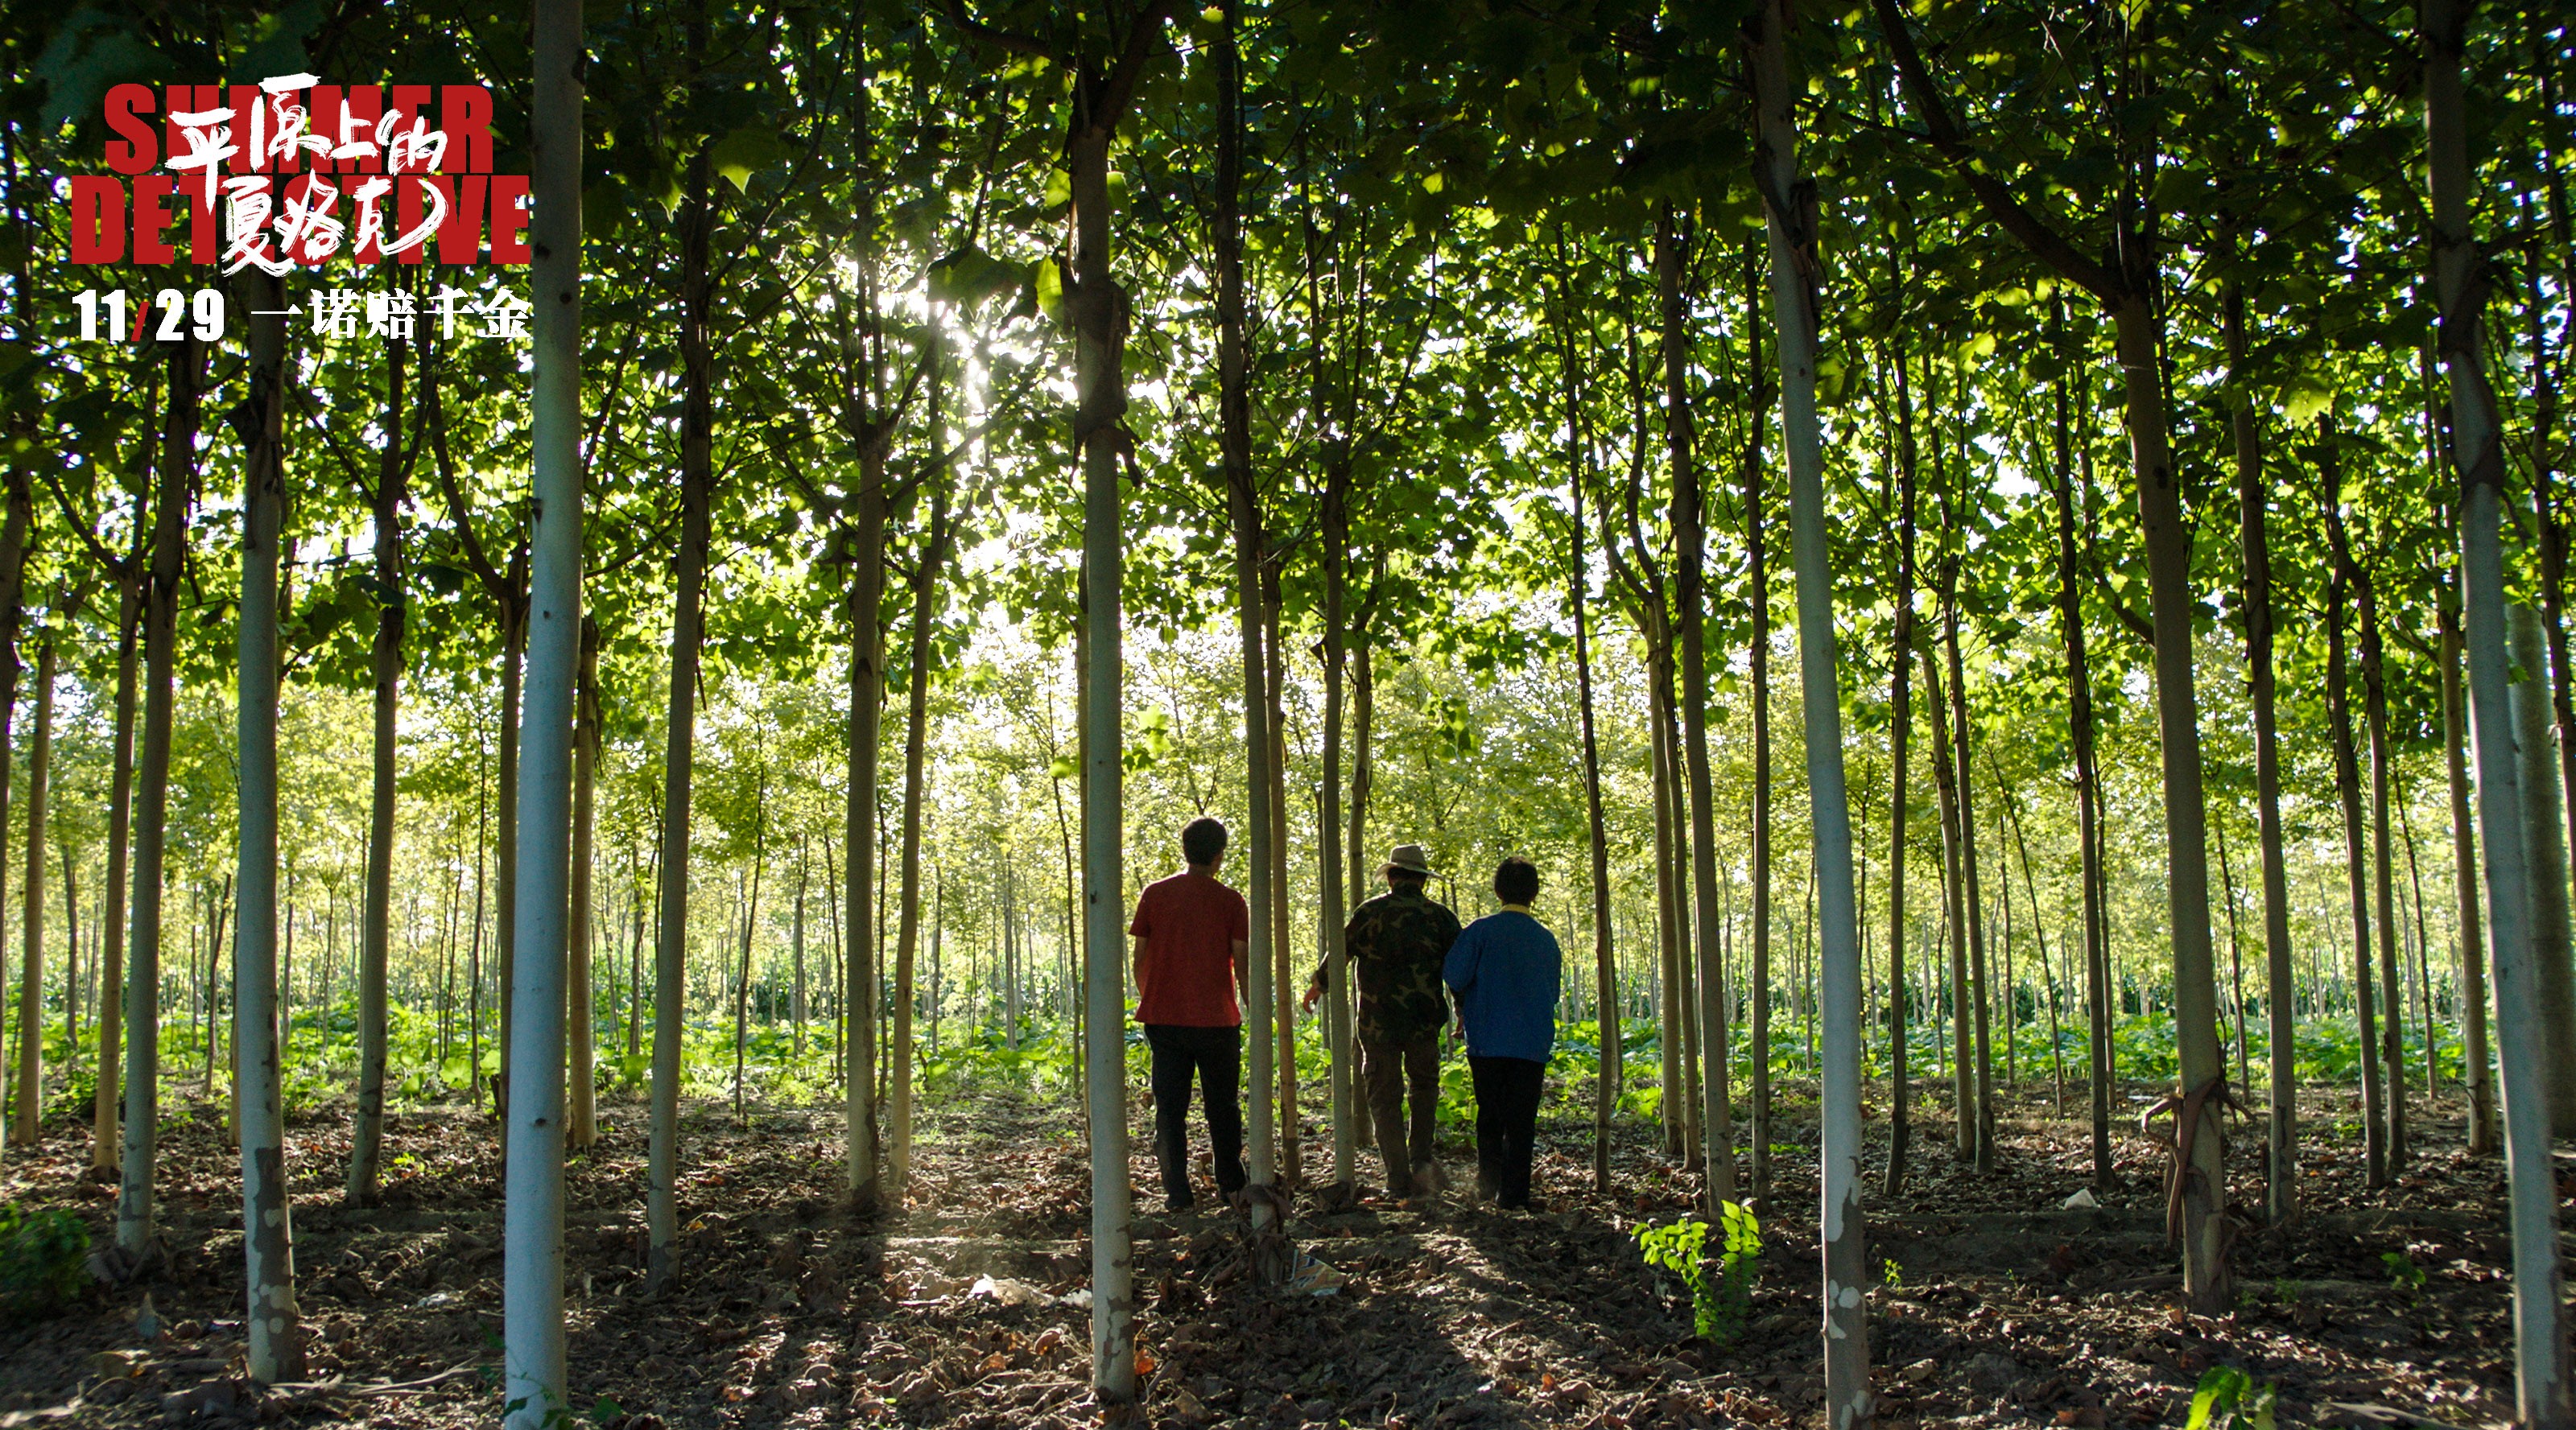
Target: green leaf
<point>746,151</point>
<point>2307,399</point>
<point>1050,289</point>
<point>2220,1388</point>
<point>274,44</point>
<point>88,56</point>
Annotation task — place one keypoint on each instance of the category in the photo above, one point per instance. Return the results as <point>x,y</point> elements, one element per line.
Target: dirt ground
<point>1999,1307</point>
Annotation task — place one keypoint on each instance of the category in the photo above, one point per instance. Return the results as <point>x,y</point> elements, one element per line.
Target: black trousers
<point>1213,1057</point>
<point>1507,1092</point>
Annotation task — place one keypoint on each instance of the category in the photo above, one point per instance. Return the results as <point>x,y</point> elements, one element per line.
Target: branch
<point>98,551</point>
<point>2044,242</point>
<point>313,414</point>
<point>977,32</point>
<point>484,571</point>
<point>1143,35</point>
<point>2138,625</point>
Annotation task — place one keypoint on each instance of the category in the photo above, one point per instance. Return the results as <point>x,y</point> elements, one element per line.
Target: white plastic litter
<point>1008,1291</point>
<point>2081,1201</point>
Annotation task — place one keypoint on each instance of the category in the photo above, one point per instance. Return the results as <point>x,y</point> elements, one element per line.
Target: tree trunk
<point>1945,778</point>
<point>2546,992</point>
<point>2541,1387</point>
<point>1972,896</point>
<point>2545,862</point>
<point>1673,1101</point>
<point>2138,329</point>
<point>864,1170</point>
<point>1098,310</point>
<point>2281,1190</point>
<point>367,1134</point>
<point>1684,962</point>
<point>2550,529</point>
<point>916,750</point>
<point>31,952</point>
<point>1605,988</point>
<point>1329,912</point>
<point>1334,556</point>
<point>17,509</point>
<point>2047,973</point>
<point>275,1343</point>
<point>1279,1043</point>
<point>796,997</point>
<point>513,615</point>
<point>2347,770</point>
<point>581,1119</point>
<point>109,1014</point>
<point>473,956</point>
<point>1790,200</point>
<point>688,631</point>
<point>2235,948</point>
<point>742,975</point>
<point>2088,800</point>
<point>1758,655</point>
<point>72,983</point>
<point>2423,979</point>
<point>1689,543</point>
<point>135,1237</point>
<point>533,1387</point>
<point>1900,727</point>
<point>2383,838</point>
<point>2476,1058</point>
<point>1356,865</point>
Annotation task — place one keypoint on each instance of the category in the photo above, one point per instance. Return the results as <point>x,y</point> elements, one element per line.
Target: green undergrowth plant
<point>2403,1273</point>
<point>2229,1399</point>
<point>41,1259</point>
<point>1720,1284</point>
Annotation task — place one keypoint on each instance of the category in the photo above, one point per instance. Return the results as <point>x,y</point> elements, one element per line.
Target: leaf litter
<point>2005,1299</point>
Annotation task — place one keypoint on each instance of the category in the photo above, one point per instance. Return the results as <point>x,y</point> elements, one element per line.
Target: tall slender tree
<point>274,1341</point>
<point>534,1389</point>
<point>2347,768</point>
<point>388,496</point>
<point>136,1241</point>
<point>2253,502</point>
<point>1790,211</point>
<point>1689,523</point>
<point>2542,1398</point>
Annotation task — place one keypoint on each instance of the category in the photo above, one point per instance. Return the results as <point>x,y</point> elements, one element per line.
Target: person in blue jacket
<point>1505,970</point>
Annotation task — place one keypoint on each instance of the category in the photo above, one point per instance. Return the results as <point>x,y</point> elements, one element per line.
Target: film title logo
<point>304,172</point>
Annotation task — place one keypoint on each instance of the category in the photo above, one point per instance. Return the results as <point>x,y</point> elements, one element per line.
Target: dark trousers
<point>1214,1058</point>
<point>1396,1072</point>
<point>1507,1092</point>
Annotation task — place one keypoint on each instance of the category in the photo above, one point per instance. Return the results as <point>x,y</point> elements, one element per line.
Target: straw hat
<point>1409,858</point>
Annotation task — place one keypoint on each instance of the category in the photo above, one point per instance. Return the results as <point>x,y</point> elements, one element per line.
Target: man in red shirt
<point>1190,932</point>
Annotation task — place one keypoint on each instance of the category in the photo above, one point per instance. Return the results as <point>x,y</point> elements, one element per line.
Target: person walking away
<point>1506,971</point>
<point>1396,942</point>
<point>1190,932</point>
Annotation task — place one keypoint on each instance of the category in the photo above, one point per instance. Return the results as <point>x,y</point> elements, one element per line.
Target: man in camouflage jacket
<point>1397,941</point>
